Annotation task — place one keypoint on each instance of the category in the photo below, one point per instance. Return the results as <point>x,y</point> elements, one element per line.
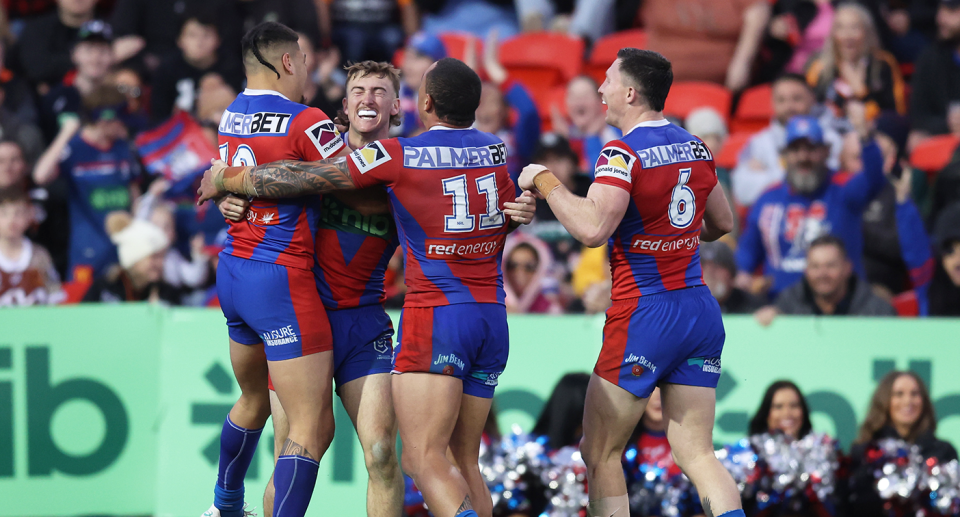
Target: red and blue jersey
<point>263,126</point>
<point>447,188</point>
<point>669,173</point>
<point>353,251</point>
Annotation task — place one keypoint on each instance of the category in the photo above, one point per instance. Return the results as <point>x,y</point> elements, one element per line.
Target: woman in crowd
<point>561,419</point>
<point>528,285</point>
<point>899,409</point>
<point>853,67</point>
<point>943,297</point>
<point>141,246</point>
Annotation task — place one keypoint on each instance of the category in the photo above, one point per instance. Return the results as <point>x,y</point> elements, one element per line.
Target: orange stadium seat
<point>605,51</point>
<point>558,98</point>
<point>398,57</point>
<point>934,153</point>
<point>541,61</point>
<point>754,110</point>
<point>906,304</point>
<point>731,149</point>
<point>687,96</point>
<point>456,45</point>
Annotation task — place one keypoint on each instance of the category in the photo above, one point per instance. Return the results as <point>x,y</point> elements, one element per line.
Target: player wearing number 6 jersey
<point>448,191</point>
<point>655,198</point>
<point>265,281</point>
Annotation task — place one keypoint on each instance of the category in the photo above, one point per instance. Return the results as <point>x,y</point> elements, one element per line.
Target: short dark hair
<point>561,418</point>
<point>791,77</point>
<point>262,37</point>
<point>455,89</point>
<point>829,240</point>
<point>650,72</point>
<point>758,424</point>
<point>203,15</point>
<point>13,194</point>
<point>103,98</point>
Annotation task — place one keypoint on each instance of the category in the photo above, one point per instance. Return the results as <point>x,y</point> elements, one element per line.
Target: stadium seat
<point>456,44</point>
<point>687,96</point>
<point>605,50</point>
<point>541,61</point>
<point>934,153</point>
<point>906,304</point>
<point>731,149</point>
<point>754,110</point>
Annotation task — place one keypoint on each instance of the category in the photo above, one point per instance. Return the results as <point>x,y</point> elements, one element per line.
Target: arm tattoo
<point>290,178</point>
<point>707,510</point>
<point>292,448</point>
<point>465,505</point>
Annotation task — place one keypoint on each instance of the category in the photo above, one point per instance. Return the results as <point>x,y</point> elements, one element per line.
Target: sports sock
<point>733,513</point>
<point>294,479</point>
<point>466,513</point>
<point>237,446</point>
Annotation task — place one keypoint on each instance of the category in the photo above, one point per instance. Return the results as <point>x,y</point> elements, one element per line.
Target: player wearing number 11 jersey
<point>655,198</point>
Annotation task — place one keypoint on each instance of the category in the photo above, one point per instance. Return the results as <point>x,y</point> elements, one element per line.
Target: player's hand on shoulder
<point>522,210</point>
<point>233,208</point>
<point>208,190</point>
<point>528,174</point>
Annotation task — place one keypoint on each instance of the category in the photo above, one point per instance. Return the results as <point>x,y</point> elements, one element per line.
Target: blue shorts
<point>362,342</point>
<point>467,340</point>
<point>674,337</point>
<point>272,304</point>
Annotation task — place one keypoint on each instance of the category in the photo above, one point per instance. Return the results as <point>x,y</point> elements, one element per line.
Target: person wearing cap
<point>92,57</point>
<point>45,43</point>
<point>719,270</point>
<point>813,201</point>
<point>422,50</point>
<point>141,246</point>
<point>935,99</point>
<point>101,174</point>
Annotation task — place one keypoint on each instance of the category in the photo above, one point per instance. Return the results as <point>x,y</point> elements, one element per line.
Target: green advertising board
<point>118,409</point>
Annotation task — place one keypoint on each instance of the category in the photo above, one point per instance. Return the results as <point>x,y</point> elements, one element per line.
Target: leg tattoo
<point>707,510</point>
<point>292,448</point>
<point>465,505</point>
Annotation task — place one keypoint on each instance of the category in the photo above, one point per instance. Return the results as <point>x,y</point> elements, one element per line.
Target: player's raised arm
<point>592,219</point>
<point>286,178</point>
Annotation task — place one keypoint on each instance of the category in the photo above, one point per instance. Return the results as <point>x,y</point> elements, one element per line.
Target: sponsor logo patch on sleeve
<point>325,137</point>
<point>369,156</point>
<point>615,163</point>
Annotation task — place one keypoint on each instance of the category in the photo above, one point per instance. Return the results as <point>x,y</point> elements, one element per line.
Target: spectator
<point>944,293</point>
<point>828,287</point>
<point>189,272</point>
<point>813,201</point>
<point>797,31</point>
<point>651,437</point>
<point>324,90</point>
<point>590,280</point>
<point>561,419</point>
<point>368,29</point>
<point>16,95</point>
<point>783,409</point>
<point>422,50</point>
<point>900,408</point>
<point>214,98</point>
<point>478,17</point>
<point>27,275</point>
<point>13,167</point>
<point>906,26</point>
<point>719,271</point>
<point>178,78</point>
<point>100,171</point>
<point>528,285</point>
<point>706,40</point>
<point>587,130</point>
<point>92,57</point>
<point>497,98</point>
<point>130,84</point>
<point>707,124</point>
<point>852,66</point>
<point>299,15</point>
<point>44,46</point>
<point>760,164</point>
<point>147,30</point>
<point>141,247</point>
<point>935,99</point>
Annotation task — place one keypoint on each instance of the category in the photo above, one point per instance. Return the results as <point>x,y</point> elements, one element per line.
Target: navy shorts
<point>272,304</point>
<point>362,342</point>
<point>674,337</point>
<point>467,340</point>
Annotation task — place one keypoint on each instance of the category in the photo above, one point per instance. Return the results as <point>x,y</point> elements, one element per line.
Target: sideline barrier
<point>117,409</point>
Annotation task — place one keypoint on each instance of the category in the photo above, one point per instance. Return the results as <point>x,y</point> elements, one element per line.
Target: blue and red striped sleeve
<point>915,251</point>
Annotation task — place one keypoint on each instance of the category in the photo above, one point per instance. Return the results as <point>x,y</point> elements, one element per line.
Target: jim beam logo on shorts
<point>450,360</point>
<point>280,336</point>
<point>615,163</point>
<point>325,137</point>
<point>639,364</point>
<point>707,364</point>
<point>370,156</point>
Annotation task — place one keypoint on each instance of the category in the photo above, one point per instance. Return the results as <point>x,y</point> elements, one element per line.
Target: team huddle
<point>315,217</point>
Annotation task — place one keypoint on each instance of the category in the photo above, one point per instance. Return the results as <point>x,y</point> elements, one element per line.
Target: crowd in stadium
<point>113,106</point>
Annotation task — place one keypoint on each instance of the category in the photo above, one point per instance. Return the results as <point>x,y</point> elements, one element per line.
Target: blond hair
<point>381,69</point>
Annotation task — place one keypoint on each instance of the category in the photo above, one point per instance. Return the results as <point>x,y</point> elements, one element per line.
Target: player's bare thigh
<point>250,369</point>
<point>305,388</point>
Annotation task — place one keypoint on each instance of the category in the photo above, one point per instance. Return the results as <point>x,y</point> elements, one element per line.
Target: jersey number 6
<point>683,204</point>
<point>462,220</point>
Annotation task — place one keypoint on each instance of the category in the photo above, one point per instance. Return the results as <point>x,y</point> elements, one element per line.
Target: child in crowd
<point>27,276</point>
